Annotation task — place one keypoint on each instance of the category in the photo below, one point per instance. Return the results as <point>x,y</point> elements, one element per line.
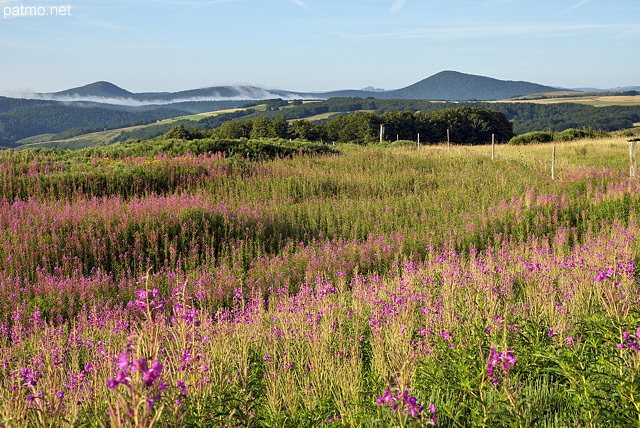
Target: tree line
<point>463,125</point>
<point>526,117</point>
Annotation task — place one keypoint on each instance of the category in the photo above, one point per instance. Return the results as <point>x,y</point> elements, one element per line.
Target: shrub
<point>248,148</point>
<point>569,135</point>
<point>532,138</point>
<point>627,133</point>
<point>566,135</point>
<point>576,134</point>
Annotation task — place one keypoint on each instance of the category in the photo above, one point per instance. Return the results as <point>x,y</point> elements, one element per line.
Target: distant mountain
<point>444,86</point>
<point>97,89</point>
<point>112,94</point>
<point>372,89</point>
<point>450,86</point>
<point>456,86</point>
<point>624,89</point>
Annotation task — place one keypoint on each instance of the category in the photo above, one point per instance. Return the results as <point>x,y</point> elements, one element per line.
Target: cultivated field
<point>588,99</point>
<point>404,286</point>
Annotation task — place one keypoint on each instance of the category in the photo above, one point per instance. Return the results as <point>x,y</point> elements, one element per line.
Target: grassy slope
<point>103,138</point>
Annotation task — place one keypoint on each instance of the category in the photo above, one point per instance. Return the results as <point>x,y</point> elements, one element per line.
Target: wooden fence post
<point>553,163</point>
<point>448,140</point>
<point>493,146</point>
<point>633,160</point>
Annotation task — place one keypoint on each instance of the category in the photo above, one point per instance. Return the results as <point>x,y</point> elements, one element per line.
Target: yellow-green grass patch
<point>596,101</point>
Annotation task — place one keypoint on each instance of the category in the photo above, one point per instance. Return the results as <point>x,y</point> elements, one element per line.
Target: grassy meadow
<point>378,287</point>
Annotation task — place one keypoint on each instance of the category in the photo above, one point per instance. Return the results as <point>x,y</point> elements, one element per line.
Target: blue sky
<point>307,45</point>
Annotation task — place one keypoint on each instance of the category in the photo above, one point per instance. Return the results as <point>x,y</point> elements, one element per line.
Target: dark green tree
<point>360,128</point>
<point>307,130</point>
<point>179,132</point>
<point>278,128</point>
<point>399,125</point>
<point>470,125</point>
<point>260,128</point>
<point>235,129</point>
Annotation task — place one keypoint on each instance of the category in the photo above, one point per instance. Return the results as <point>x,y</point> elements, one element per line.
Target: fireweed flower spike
<point>123,362</point>
<point>150,375</point>
<point>605,274</point>
<point>630,341</point>
<point>432,410</point>
<point>497,362</point>
<point>402,401</point>
<point>125,369</point>
<point>183,387</point>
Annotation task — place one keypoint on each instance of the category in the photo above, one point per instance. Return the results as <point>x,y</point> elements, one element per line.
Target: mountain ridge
<point>445,86</point>
<point>112,93</point>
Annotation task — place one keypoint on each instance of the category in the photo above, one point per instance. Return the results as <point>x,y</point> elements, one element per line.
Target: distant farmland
<point>587,99</point>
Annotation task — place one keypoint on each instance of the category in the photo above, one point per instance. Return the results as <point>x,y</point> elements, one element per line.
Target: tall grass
<point>292,292</point>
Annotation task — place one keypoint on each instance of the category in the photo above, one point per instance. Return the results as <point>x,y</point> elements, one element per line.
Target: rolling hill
<point>445,86</point>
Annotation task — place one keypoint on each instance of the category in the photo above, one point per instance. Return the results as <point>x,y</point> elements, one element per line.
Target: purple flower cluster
<point>630,341</point>
<point>183,387</point>
<point>126,368</point>
<point>29,377</point>
<point>332,419</point>
<point>401,400</point>
<point>605,274</point>
<point>147,300</point>
<point>186,313</point>
<point>499,362</point>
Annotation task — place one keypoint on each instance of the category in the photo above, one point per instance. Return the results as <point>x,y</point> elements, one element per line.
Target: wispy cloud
<point>192,2</point>
<point>300,3</point>
<point>397,5</point>
<point>189,4</point>
<point>631,32</point>
<point>241,93</point>
<point>480,32</point>
<point>107,25</point>
<point>579,4</point>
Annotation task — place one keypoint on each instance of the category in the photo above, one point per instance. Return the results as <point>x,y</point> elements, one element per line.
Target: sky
<point>314,45</point>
